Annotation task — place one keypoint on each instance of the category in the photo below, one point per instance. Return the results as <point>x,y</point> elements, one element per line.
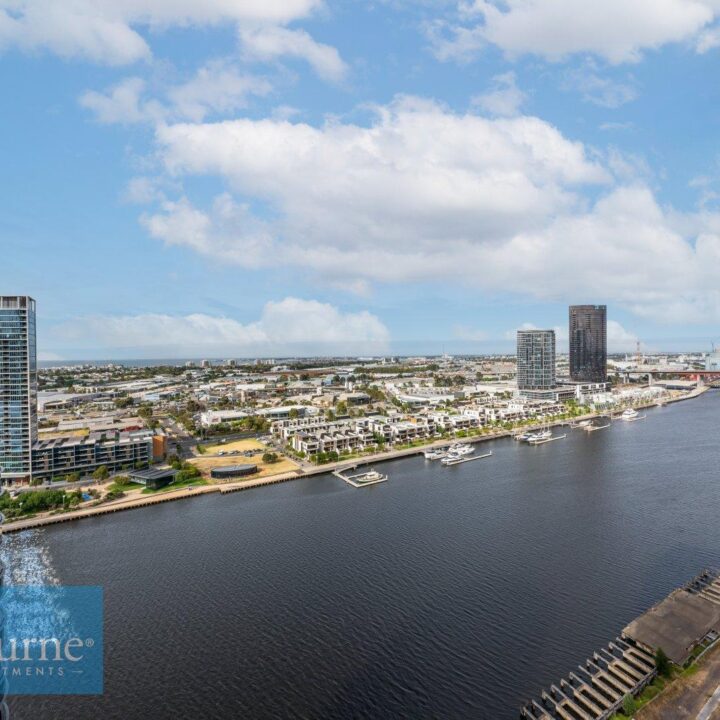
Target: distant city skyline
<point>449,172</point>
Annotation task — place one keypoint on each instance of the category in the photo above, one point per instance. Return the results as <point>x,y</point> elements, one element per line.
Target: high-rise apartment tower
<point>18,386</point>
<point>588,343</point>
<point>535,359</point>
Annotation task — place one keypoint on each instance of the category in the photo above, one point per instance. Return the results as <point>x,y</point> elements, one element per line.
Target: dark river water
<point>444,593</point>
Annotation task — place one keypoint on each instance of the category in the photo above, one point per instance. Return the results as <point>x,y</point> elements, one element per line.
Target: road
<point>696,697</point>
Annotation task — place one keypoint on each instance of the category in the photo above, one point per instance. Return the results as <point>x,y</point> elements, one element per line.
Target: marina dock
<point>458,461</point>
<point>547,440</point>
<point>360,479</point>
<point>593,428</point>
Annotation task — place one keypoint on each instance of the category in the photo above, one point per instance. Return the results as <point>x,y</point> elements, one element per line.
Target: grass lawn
<point>52,434</point>
<point>205,462</point>
<point>176,486</point>
<point>124,487</point>
<point>239,445</point>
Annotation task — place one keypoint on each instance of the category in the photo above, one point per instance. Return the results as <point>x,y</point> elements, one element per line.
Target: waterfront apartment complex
<point>18,386</point>
<point>117,451</point>
<point>588,343</point>
<point>24,457</point>
<point>535,359</point>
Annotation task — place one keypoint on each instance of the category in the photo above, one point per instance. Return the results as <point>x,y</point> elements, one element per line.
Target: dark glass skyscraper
<point>588,343</point>
<point>18,386</point>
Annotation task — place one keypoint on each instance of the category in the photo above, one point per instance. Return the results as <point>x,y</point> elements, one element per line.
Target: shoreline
<point>135,503</point>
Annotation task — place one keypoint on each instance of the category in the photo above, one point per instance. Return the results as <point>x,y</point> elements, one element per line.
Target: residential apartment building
<point>588,343</point>
<point>18,387</point>
<point>115,450</point>
<point>535,359</point>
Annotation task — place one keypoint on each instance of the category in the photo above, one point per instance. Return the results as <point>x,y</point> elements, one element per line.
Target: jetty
<point>447,462</point>
<point>593,428</point>
<point>546,440</point>
<point>686,621</point>
<point>360,479</point>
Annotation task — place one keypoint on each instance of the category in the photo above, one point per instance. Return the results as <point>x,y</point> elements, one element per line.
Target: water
<point>444,593</point>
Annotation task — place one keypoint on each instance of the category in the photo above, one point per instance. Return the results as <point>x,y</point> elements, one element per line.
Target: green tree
<point>294,414</point>
<point>662,663</point>
<point>101,473</point>
<point>145,412</point>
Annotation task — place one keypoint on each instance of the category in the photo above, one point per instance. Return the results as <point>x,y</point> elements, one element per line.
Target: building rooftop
<point>92,439</point>
<point>143,476</point>
<point>676,625</point>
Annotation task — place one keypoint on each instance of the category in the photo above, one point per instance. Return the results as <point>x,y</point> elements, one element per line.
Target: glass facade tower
<point>588,343</point>
<point>18,386</point>
<point>535,359</point>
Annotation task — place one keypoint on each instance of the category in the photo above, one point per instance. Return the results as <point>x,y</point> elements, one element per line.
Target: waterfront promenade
<point>304,472</point>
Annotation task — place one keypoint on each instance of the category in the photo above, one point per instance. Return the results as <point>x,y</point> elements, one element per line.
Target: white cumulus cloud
<point>503,98</point>
<point>273,42</point>
<point>287,327</point>
<point>358,197</point>
<point>425,194</point>
<point>218,87</point>
<point>617,30</point>
<point>106,31</point>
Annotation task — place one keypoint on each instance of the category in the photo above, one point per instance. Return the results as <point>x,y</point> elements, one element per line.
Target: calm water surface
<point>444,593</point>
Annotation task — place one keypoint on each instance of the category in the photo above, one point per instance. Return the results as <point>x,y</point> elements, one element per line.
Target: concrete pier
<point>688,618</point>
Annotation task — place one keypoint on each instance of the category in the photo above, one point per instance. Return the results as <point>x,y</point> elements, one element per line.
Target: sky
<point>253,178</point>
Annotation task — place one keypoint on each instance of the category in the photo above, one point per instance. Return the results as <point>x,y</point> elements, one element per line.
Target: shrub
<point>629,705</point>
<point>662,663</point>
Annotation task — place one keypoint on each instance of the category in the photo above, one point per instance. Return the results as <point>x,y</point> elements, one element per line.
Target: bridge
<point>709,377</point>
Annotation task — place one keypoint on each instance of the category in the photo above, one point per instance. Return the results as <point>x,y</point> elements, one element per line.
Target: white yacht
<point>460,449</point>
<point>629,414</point>
<point>372,476</point>
<point>435,454</point>
<point>540,436</point>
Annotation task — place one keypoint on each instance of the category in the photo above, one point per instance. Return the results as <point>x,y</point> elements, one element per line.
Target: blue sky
<point>244,178</point>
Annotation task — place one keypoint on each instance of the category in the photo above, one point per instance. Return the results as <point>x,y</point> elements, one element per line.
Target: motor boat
<point>540,436</point>
<point>460,449</point>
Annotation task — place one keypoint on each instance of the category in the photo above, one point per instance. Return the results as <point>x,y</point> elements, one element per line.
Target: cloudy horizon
<point>241,178</point>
